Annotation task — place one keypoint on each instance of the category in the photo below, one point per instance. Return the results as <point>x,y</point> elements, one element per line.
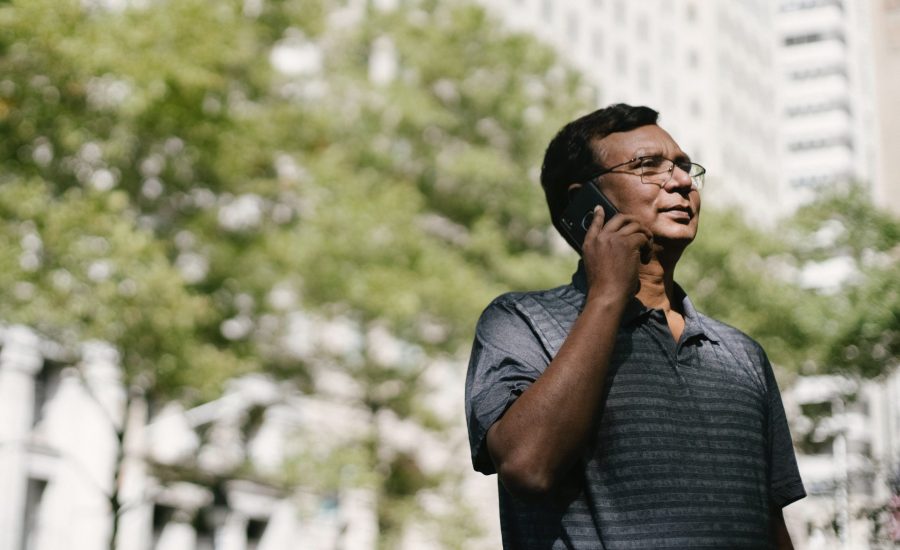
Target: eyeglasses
<point>658,170</point>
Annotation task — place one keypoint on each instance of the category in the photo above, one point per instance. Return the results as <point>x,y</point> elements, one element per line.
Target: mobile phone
<point>578,215</point>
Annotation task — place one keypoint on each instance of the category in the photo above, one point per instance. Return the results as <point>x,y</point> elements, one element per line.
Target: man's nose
<point>679,181</point>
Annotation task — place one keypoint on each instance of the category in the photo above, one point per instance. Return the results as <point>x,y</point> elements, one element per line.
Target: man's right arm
<point>543,433</point>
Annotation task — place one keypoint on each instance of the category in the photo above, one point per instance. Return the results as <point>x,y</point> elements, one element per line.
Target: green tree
<point>864,316</point>
<point>160,184</point>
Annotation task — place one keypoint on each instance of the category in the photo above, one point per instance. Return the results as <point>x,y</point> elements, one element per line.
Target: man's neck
<point>657,278</point>
<point>657,289</point>
<point>658,292</point>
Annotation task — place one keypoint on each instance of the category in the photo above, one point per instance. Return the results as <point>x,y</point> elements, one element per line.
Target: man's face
<point>671,212</point>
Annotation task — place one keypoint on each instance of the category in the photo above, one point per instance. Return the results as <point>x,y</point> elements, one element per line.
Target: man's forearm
<point>546,429</point>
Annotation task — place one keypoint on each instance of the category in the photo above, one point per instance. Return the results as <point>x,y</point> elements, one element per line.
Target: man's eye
<point>650,162</point>
<point>685,166</point>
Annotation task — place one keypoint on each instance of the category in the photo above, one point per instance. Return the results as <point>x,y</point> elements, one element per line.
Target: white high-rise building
<point>885,16</point>
<point>828,131</point>
<point>775,97</point>
<point>706,66</point>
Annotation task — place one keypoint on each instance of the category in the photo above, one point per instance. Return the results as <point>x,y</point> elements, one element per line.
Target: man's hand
<point>543,434</point>
<point>612,254</point>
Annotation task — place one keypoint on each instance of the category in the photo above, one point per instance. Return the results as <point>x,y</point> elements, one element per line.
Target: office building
<point>706,66</point>
<point>828,131</point>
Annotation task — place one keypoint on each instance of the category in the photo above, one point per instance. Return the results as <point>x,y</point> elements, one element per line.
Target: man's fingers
<point>596,223</point>
<point>621,224</point>
<point>627,226</point>
<point>638,239</point>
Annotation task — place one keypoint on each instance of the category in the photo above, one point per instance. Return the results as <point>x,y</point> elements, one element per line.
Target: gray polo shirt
<point>692,445</point>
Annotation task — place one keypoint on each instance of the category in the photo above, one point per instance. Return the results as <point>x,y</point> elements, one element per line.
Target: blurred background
<point>244,243</point>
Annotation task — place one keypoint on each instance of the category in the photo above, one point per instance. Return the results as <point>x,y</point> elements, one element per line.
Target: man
<point>615,414</point>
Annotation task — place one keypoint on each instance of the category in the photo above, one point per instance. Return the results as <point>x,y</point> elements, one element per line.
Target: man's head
<point>610,137</point>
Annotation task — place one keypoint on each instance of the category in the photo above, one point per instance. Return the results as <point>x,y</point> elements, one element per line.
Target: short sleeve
<point>785,485</point>
<point>506,359</point>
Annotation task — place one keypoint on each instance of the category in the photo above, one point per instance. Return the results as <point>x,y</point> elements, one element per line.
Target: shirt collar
<point>693,321</point>
<point>635,310</point>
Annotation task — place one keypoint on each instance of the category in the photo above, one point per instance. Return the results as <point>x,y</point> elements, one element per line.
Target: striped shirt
<point>692,445</point>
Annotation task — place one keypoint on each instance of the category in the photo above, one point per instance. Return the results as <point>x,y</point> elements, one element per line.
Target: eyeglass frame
<point>675,164</point>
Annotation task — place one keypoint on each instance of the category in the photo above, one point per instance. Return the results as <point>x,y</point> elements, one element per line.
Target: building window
<point>45,385</point>
<point>644,77</point>
<point>572,27</point>
<point>807,73</point>
<point>795,5</point>
<point>821,143</point>
<point>621,61</point>
<point>619,12</point>
<point>693,59</point>
<point>810,38</point>
<point>642,29</point>
<point>255,530</point>
<point>670,98</point>
<point>34,495</point>
<point>162,515</point>
<point>547,10</point>
<point>816,108</point>
<point>814,182</point>
<point>205,527</point>
<point>695,108</point>
<point>597,43</point>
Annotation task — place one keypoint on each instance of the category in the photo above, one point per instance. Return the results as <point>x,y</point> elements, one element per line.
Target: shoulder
<point>529,306</point>
<point>534,315</point>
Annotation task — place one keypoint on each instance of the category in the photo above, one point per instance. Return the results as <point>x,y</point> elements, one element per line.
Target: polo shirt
<point>691,448</point>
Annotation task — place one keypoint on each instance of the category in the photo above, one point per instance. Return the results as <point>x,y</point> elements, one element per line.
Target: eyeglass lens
<point>658,171</point>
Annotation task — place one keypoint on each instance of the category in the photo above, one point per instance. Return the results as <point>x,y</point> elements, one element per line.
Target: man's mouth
<point>679,211</point>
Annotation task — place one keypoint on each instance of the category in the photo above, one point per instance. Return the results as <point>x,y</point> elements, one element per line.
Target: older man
<point>615,414</point>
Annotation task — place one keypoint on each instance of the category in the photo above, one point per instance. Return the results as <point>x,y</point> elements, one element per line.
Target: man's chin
<point>675,239</point>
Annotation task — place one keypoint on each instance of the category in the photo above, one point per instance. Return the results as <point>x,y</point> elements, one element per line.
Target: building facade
<point>828,128</point>
<point>706,66</point>
<point>245,471</point>
<point>777,98</point>
<point>177,469</point>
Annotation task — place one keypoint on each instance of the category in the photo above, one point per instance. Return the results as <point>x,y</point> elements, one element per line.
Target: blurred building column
<point>186,500</point>
<point>232,535</point>
<point>179,533</point>
<point>136,523</point>
<point>20,361</point>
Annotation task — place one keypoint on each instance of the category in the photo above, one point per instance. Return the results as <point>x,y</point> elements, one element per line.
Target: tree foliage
<point>165,188</point>
<point>864,317</point>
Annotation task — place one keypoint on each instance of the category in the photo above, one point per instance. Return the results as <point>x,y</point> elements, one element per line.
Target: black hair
<point>572,158</point>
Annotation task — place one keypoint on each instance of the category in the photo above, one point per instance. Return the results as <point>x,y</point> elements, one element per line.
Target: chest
<point>699,395</point>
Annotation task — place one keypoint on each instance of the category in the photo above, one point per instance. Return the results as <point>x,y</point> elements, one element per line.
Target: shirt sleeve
<point>785,485</point>
<point>506,359</point>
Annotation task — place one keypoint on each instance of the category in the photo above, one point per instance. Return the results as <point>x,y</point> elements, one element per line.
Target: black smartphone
<point>578,215</point>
